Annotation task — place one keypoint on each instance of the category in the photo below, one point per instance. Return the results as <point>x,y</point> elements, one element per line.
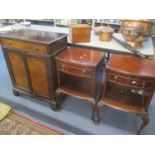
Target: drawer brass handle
<point>133,82</point>
<point>36,48</point>
<point>141,92</point>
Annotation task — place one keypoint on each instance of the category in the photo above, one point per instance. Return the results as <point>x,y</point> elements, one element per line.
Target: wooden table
<point>129,86</point>
<point>78,72</point>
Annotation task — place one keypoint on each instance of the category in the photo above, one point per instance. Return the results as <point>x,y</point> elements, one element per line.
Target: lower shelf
<point>123,99</point>
<point>77,87</point>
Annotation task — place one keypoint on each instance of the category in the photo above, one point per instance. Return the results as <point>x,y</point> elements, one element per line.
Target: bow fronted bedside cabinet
<point>78,72</point>
<point>128,86</point>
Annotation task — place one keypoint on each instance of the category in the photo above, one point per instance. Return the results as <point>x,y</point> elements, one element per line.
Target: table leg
<point>108,56</point>
<point>96,111</point>
<point>95,114</point>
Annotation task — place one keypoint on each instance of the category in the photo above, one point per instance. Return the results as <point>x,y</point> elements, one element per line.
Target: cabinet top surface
<point>36,36</point>
<point>132,65</point>
<point>81,56</point>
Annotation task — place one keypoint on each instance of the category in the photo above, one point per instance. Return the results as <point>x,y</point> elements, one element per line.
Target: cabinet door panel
<point>18,70</point>
<point>38,76</point>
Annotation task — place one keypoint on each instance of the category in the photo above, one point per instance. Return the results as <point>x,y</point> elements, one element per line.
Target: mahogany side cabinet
<point>29,55</point>
<point>128,86</point>
<point>78,72</point>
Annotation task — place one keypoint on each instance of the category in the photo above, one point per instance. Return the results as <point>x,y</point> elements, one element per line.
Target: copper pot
<point>105,36</point>
<point>136,31</point>
<point>106,33</point>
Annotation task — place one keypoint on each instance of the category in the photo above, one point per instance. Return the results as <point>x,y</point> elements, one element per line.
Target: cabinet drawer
<point>74,70</point>
<point>129,81</point>
<point>31,47</point>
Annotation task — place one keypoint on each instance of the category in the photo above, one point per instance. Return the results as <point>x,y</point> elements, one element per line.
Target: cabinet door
<point>15,61</point>
<point>38,75</point>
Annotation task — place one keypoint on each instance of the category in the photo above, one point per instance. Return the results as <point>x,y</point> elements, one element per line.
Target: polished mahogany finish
<point>81,56</point>
<point>132,65</point>
<point>30,58</point>
<point>78,73</point>
<point>34,36</point>
<point>129,86</point>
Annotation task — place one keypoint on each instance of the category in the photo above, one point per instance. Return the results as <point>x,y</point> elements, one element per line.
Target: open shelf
<point>122,98</point>
<point>77,87</point>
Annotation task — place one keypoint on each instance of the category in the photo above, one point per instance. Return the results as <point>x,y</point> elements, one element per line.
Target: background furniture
<point>30,58</point>
<point>95,43</point>
<point>78,72</point>
<point>129,86</point>
<point>114,23</point>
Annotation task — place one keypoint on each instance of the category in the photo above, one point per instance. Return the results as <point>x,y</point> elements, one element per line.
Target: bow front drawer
<point>138,83</point>
<point>74,70</point>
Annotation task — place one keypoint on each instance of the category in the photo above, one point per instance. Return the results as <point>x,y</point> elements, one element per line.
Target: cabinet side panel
<point>38,75</point>
<point>18,70</point>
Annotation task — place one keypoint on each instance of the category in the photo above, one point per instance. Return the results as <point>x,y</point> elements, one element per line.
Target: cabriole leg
<point>57,94</point>
<point>145,119</point>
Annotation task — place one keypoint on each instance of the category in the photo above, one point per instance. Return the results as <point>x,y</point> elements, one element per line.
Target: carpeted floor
<point>15,124</point>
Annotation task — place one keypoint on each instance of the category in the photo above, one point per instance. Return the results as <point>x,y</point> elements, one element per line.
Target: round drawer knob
<point>133,82</point>
<point>115,77</point>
